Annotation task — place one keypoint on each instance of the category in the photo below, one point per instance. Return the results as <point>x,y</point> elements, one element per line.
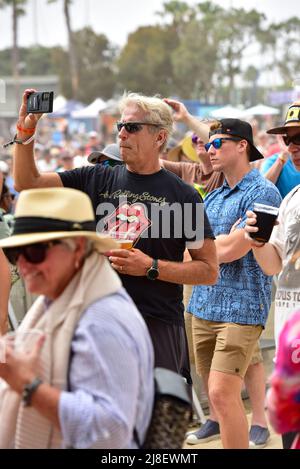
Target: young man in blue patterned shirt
<point>229,317</point>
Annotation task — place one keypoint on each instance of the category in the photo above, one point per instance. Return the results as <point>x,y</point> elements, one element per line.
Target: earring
<point>77,264</point>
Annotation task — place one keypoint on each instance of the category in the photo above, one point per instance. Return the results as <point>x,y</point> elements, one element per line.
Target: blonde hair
<point>215,125</point>
<point>156,110</point>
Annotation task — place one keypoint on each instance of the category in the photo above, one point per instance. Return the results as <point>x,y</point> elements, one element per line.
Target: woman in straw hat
<point>86,381</point>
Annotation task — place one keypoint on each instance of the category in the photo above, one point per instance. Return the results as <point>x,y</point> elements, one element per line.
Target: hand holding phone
<point>40,102</point>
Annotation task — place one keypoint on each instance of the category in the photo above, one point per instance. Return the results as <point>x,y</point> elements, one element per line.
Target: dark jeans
<point>170,346</point>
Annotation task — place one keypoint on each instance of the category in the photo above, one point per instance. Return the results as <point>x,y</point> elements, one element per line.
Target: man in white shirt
<point>278,256</point>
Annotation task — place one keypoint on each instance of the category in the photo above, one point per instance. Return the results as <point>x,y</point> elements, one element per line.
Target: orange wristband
<point>26,131</point>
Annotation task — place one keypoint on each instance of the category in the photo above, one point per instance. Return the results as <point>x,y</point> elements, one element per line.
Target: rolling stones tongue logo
<point>127,221</point>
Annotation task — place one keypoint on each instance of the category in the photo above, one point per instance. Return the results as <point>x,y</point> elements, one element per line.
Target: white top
<point>80,161</point>
<point>45,167</point>
<point>286,239</point>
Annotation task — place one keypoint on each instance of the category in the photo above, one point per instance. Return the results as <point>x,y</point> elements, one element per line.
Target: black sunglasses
<point>133,127</point>
<point>9,195</point>
<point>217,142</point>
<point>295,139</point>
<point>33,253</point>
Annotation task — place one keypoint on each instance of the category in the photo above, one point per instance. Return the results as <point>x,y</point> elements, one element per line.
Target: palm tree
<point>17,11</point>
<point>72,48</point>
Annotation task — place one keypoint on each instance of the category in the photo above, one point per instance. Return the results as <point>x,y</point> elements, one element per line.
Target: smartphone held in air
<point>40,102</point>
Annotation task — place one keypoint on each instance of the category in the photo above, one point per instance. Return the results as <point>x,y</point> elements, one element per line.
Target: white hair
<point>156,110</point>
<point>71,243</point>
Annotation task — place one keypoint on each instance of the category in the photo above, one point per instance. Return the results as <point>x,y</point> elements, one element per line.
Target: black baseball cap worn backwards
<point>241,129</point>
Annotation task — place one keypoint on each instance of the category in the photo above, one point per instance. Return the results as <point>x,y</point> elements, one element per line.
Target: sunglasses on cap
<point>133,127</point>
<point>295,139</point>
<point>110,163</point>
<point>33,253</point>
<point>217,142</point>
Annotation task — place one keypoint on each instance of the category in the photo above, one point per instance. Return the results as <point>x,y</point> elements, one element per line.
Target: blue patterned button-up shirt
<point>243,292</point>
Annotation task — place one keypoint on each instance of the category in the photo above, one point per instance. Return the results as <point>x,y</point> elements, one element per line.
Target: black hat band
<point>29,225</point>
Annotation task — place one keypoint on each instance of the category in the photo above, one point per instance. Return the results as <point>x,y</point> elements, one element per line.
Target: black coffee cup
<point>266,217</point>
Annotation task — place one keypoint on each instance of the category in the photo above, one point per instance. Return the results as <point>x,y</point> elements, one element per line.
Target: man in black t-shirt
<point>149,205</point>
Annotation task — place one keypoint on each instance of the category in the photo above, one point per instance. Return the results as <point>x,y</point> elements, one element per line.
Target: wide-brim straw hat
<point>292,120</point>
<point>186,144</point>
<point>54,213</point>
<point>186,147</point>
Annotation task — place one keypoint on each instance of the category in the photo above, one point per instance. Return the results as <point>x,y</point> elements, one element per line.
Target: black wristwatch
<point>153,272</point>
<point>28,391</point>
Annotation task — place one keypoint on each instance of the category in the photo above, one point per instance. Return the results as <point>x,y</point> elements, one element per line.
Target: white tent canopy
<point>227,111</point>
<point>91,111</point>
<point>59,102</point>
<point>261,110</point>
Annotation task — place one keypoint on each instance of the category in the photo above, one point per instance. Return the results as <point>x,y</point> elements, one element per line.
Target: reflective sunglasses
<point>133,127</point>
<point>217,143</point>
<point>33,253</point>
<point>295,139</point>
<point>110,163</point>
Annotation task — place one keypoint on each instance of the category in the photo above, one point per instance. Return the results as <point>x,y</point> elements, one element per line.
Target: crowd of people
<point>107,315</point>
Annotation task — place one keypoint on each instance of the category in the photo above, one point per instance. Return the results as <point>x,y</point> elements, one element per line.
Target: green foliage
<point>180,13</point>
<point>194,66</point>
<point>18,4</point>
<point>237,29</point>
<point>69,2</point>
<point>96,57</point>
<point>250,75</point>
<point>33,61</point>
<point>287,40</point>
<point>197,52</point>
<point>97,76</point>
<point>145,62</point>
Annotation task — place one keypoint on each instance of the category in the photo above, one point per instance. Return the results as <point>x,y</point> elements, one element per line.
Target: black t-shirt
<point>135,203</point>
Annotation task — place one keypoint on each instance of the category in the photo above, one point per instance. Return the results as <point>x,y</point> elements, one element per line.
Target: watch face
<point>152,274</point>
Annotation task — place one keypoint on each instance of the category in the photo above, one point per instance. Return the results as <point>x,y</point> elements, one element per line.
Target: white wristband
<point>29,140</point>
<point>20,142</point>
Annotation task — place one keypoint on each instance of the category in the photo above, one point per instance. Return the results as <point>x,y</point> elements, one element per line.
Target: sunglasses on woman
<point>9,196</point>
<point>33,253</point>
<point>295,139</point>
<point>196,139</point>
<point>133,127</point>
<point>217,142</point>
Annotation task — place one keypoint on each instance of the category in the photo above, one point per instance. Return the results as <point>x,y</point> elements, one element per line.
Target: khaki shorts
<point>256,356</point>
<point>223,346</point>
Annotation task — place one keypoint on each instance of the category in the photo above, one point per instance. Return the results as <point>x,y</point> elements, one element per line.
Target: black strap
<point>15,140</point>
